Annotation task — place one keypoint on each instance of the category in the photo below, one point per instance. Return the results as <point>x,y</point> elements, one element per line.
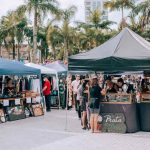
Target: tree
<point>119,5</point>
<point>96,28</point>
<point>67,15</point>
<point>55,34</point>
<point>136,24</point>
<point>143,10</point>
<point>12,30</point>
<point>54,39</point>
<point>39,8</point>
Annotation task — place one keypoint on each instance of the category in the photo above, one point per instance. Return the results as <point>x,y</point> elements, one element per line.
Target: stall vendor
<point>110,86</point>
<point>123,87</point>
<point>9,90</point>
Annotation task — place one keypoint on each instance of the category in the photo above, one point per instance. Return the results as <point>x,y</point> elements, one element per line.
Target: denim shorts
<point>94,111</point>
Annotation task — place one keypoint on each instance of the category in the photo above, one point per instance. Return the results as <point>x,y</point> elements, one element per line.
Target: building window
<point>99,4</point>
<point>88,3</point>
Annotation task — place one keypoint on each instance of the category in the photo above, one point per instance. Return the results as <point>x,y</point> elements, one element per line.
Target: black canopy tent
<point>127,51</point>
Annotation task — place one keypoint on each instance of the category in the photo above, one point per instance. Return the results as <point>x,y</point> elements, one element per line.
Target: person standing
<point>94,104</point>
<point>47,92</point>
<point>85,99</point>
<point>62,94</point>
<point>79,97</point>
<point>75,85</point>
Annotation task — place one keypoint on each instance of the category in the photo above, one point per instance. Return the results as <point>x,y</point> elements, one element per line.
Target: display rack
<point>119,98</point>
<point>145,98</point>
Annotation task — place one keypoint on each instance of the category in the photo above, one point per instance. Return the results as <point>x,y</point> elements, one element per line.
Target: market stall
<point>52,74</point>
<point>20,91</point>
<point>123,53</point>
<point>58,66</point>
<point>61,70</point>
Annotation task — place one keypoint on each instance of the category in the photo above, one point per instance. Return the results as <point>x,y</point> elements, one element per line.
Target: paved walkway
<point>50,132</point>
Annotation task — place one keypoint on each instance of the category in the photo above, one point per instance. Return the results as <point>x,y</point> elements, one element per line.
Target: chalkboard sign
<point>113,122</point>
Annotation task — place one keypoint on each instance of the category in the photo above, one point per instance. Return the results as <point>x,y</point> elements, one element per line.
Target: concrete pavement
<point>49,132</point>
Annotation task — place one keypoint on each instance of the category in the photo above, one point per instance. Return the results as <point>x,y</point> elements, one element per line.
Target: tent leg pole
<point>41,94</point>
<point>67,99</point>
<point>58,91</point>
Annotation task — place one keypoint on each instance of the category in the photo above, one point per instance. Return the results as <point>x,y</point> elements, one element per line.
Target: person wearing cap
<point>75,85</point>
<point>47,92</point>
<point>94,103</point>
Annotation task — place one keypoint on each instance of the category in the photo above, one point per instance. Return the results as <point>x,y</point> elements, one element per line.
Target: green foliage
<point>64,39</point>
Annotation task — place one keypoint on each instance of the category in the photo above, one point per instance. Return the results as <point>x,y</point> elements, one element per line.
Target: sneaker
<point>84,128</point>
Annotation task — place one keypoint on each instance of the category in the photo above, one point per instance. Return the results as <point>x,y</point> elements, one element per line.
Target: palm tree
<point>143,9</point>
<point>95,21</point>
<point>67,15</point>
<point>56,34</point>
<point>54,38</point>
<point>39,8</point>
<point>119,5</point>
<point>96,27</point>
<point>12,29</point>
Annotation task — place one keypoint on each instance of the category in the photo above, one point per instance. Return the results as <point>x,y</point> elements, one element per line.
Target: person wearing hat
<point>47,92</point>
<point>94,103</point>
<point>75,84</point>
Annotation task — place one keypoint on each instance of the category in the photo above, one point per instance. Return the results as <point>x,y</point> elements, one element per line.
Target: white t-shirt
<point>75,85</point>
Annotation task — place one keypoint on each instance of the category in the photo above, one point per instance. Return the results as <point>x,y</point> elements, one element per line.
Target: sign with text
<point>113,122</point>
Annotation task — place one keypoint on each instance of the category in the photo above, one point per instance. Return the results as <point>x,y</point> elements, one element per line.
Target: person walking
<point>75,85</point>
<point>47,92</point>
<point>94,104</point>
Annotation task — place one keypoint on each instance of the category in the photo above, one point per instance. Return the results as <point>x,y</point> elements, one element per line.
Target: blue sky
<point>6,5</point>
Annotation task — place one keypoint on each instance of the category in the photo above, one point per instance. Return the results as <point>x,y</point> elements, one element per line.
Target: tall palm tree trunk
<point>65,50</point>
<point>14,49</point>
<point>18,52</point>
<point>35,35</point>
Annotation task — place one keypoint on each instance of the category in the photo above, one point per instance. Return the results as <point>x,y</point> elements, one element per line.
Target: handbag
<point>37,110</point>
<point>2,116</point>
<point>15,113</point>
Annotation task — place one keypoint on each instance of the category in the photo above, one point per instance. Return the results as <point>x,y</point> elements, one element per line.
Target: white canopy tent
<point>44,70</point>
<point>47,71</point>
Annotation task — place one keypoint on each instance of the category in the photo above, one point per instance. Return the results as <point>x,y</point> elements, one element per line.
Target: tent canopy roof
<point>8,67</point>
<point>58,66</point>
<point>44,70</point>
<point>115,54</point>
